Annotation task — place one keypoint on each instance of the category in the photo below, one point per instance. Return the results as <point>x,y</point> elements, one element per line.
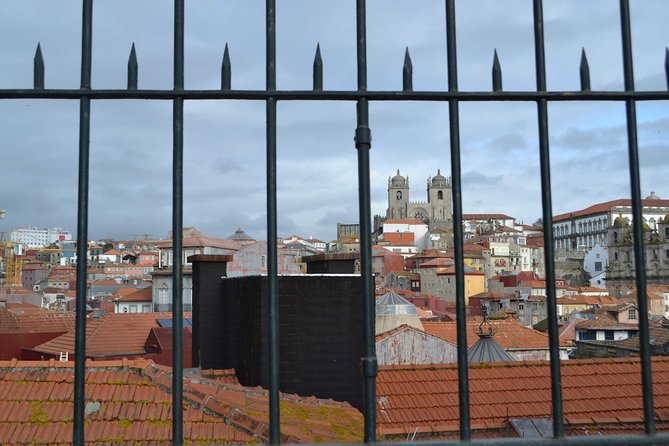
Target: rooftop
<point>130,403</point>
<point>510,334</point>
<point>601,393</point>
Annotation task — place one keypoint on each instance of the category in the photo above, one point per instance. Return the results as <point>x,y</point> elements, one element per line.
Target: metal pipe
<point>272,270</point>
<point>177,227</point>
<point>339,95</point>
<point>82,225</point>
<point>637,222</point>
<point>460,305</point>
<point>363,144</point>
<point>547,209</point>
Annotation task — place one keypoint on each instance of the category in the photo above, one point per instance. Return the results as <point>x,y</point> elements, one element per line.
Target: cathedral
<point>436,211</point>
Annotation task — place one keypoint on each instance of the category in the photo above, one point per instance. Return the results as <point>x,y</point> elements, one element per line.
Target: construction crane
<point>13,268</point>
<point>13,262</point>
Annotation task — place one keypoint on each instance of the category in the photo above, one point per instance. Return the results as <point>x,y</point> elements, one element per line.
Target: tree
<point>538,222</point>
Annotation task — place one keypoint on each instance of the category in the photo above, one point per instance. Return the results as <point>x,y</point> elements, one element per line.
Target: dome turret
<point>652,196</point>
<point>619,222</point>
<point>439,180</point>
<point>398,180</point>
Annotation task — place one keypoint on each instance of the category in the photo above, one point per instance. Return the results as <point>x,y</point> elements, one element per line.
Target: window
<point>598,266</point>
<point>521,306</point>
<point>608,335</point>
<point>631,314</point>
<point>133,308</point>
<point>440,195</point>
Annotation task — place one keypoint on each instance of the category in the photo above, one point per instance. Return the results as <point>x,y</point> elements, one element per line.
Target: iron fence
<point>541,96</point>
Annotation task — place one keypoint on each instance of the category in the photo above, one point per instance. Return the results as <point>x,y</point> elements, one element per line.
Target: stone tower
<point>398,197</point>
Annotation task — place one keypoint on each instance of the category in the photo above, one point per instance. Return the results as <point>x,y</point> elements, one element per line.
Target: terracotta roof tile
<point>600,208</point>
<point>510,334</point>
<point>35,398</point>
<point>594,391</point>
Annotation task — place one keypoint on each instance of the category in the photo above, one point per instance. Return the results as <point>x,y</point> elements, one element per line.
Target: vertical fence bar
<point>461,310</point>
<point>177,226</point>
<point>272,278</point>
<point>363,144</point>
<point>547,209</point>
<point>82,224</point>
<point>637,222</point>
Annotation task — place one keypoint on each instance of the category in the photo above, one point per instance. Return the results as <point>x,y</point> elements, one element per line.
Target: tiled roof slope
<point>596,391</point>
<point>114,334</point>
<point>600,208</point>
<point>134,400</point>
<point>23,318</point>
<point>510,334</point>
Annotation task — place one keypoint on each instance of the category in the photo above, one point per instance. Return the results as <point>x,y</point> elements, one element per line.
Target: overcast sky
<point>224,172</point>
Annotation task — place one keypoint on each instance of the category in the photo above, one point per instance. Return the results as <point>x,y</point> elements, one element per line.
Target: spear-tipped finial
<point>407,72</point>
<point>585,72</point>
<point>666,64</point>
<point>38,75</point>
<point>132,69</point>
<point>318,69</point>
<point>226,70</point>
<point>496,73</point>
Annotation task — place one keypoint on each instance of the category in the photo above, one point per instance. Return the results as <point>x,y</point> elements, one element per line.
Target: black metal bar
<point>407,72</point>
<point>226,71</point>
<point>666,65</point>
<point>82,225</point>
<point>584,71</point>
<point>272,269</point>
<point>318,69</point>
<point>547,208</point>
<point>38,75</point>
<point>132,69</point>
<point>496,73</point>
<point>363,144</point>
<point>177,227</point>
<point>582,440</point>
<point>460,304</point>
<point>338,95</point>
<point>637,226</point>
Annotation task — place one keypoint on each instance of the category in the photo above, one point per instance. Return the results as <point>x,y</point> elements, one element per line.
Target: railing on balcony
<point>362,97</point>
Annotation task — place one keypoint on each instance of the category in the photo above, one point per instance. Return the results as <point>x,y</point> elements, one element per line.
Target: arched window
<point>666,232</point>
<point>615,236</point>
<point>440,195</point>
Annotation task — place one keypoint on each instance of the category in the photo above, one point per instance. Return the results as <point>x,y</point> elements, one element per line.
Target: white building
<point>588,227</point>
<point>415,226</point>
<point>38,238</point>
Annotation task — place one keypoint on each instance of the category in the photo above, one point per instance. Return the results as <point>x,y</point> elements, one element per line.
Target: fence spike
<point>407,72</point>
<point>226,70</point>
<point>318,69</point>
<point>496,73</point>
<point>585,72</point>
<point>38,77</point>
<point>666,64</point>
<point>132,69</point>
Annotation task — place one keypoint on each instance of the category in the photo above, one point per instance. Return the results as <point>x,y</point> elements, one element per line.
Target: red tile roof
<point>114,334</point>
<point>595,391</point>
<point>510,334</point>
<point>31,319</point>
<point>135,408</point>
<point>143,295</point>
<point>486,217</point>
<point>600,208</point>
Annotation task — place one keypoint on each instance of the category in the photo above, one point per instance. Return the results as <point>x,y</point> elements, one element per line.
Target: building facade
<point>38,238</point>
<point>588,227</point>
<point>436,211</point>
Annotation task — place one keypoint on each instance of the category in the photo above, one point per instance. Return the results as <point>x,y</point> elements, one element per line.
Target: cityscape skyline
<point>224,179</point>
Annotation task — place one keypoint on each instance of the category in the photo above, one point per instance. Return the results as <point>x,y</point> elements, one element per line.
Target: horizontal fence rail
<point>362,142</point>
